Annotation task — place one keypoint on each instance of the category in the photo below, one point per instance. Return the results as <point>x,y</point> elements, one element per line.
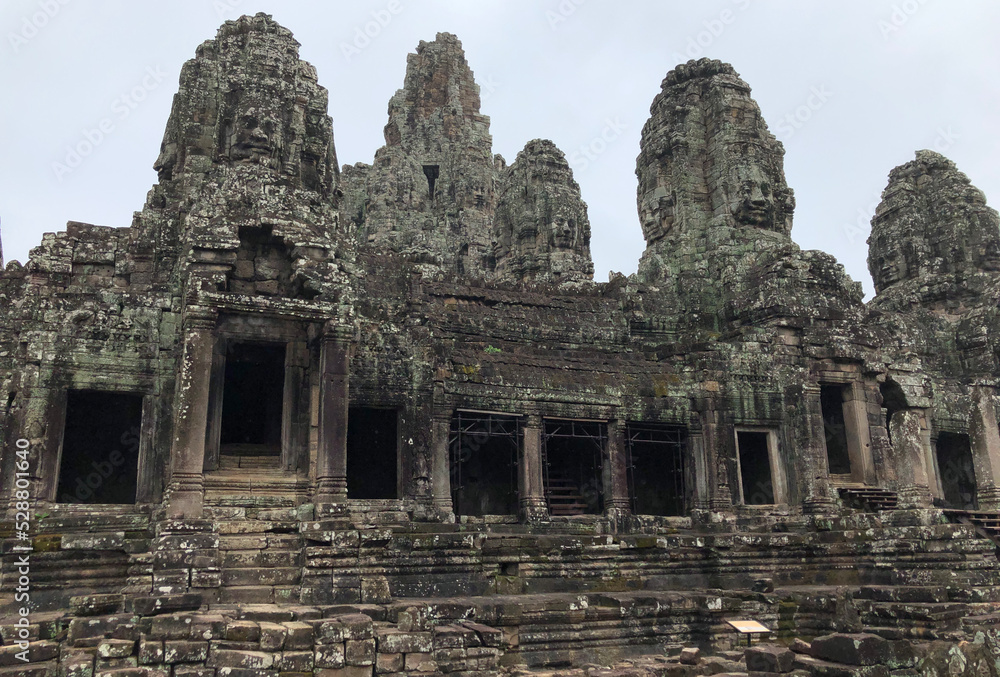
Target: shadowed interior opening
<point>484,449</point>
<point>755,468</point>
<point>100,452</point>
<point>431,172</point>
<point>957,473</point>
<point>252,399</point>
<point>372,453</point>
<point>657,469</point>
<point>573,453</point>
<point>835,429</point>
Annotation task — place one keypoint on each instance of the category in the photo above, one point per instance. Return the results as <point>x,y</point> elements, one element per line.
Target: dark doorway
<point>371,453</point>
<point>656,468</point>
<point>484,451</point>
<point>957,473</point>
<point>755,468</point>
<point>835,429</point>
<point>252,399</point>
<point>431,172</point>
<point>100,451</point>
<point>572,453</point>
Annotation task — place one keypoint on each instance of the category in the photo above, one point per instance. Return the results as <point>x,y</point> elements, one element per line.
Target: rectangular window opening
<point>835,429</point>
<point>431,172</point>
<point>252,402</point>
<point>957,473</point>
<point>572,454</point>
<point>484,451</point>
<point>372,453</point>
<point>755,467</point>
<point>657,458</point>
<point>100,451</point>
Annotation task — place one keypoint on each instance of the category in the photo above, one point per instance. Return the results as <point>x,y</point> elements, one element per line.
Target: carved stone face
<point>751,201</point>
<point>892,268</point>
<point>563,232</point>
<point>254,136</point>
<point>988,226</point>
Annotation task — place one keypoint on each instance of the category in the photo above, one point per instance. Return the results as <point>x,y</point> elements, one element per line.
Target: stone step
<point>261,576</point>
<point>247,594</point>
<point>262,558</point>
<point>906,594</point>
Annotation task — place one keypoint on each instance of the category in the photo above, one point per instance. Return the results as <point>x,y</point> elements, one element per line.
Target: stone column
<point>911,458</point>
<point>814,467</point>
<point>984,438</point>
<point>330,496</point>
<point>859,440</point>
<point>186,489</point>
<point>441,462</point>
<point>617,505</point>
<point>700,493</point>
<point>720,494</point>
<point>531,489</point>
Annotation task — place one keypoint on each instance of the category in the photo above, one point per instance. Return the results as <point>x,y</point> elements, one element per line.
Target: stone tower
<point>712,198</point>
<point>430,194</point>
<point>248,165</point>
<point>933,235</point>
<point>542,232</point>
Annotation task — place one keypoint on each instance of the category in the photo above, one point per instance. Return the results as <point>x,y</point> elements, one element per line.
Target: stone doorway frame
<point>299,366</point>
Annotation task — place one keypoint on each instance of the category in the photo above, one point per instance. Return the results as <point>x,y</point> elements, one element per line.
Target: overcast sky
<point>851,88</point>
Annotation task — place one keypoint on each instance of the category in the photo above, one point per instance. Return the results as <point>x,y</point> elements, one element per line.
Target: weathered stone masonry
<point>291,393</point>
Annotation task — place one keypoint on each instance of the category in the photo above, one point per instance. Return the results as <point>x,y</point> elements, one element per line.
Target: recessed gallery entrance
<point>252,402</point>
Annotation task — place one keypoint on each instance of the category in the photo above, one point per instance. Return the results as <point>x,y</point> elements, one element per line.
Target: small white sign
<point>748,627</point>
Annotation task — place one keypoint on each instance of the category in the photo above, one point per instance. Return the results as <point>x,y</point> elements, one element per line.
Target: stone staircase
<point>254,486</point>
<point>564,497</point>
<point>910,612</point>
<point>260,554</point>
<point>986,523</point>
<point>869,499</point>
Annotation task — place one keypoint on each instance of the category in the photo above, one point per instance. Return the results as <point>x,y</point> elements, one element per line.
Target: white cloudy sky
<point>852,88</point>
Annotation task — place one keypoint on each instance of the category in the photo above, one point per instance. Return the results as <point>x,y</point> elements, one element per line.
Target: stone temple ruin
<point>300,419</point>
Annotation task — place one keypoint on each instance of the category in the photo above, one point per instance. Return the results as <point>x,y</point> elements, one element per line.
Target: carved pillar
<point>441,462</point>
<point>859,439</point>
<point>531,489</point>
<point>911,458</point>
<point>814,467</point>
<point>331,461</point>
<point>616,498</point>
<point>700,473</point>
<point>720,494</point>
<point>984,438</point>
<point>186,489</point>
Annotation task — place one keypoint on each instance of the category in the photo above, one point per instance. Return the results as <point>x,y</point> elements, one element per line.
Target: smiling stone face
<point>751,199</point>
<point>255,136</point>
<point>562,230</point>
